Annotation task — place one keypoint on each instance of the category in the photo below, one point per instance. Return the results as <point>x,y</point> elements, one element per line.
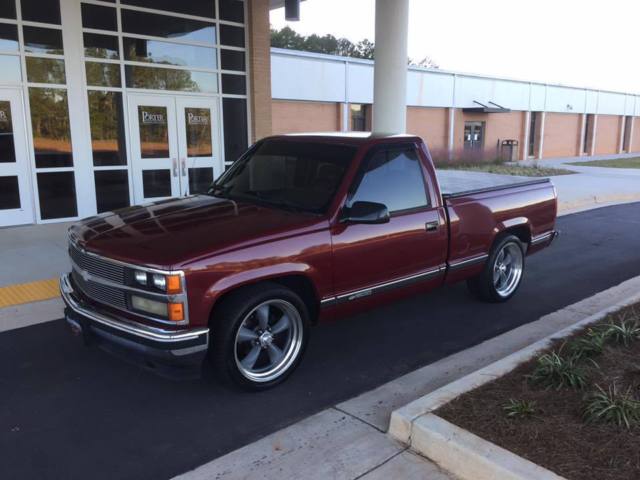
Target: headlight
<point>171,284</point>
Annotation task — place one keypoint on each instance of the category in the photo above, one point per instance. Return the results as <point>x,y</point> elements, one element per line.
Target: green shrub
<point>588,345</point>
<point>624,332</point>
<point>555,371</point>
<point>612,406</point>
<point>519,408</point>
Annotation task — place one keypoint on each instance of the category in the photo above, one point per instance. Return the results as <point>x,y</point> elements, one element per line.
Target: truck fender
<point>520,226</point>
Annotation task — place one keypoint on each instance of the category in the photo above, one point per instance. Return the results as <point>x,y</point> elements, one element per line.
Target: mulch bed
<point>556,436</point>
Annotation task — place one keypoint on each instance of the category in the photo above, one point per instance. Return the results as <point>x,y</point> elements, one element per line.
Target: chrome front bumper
<point>168,346</point>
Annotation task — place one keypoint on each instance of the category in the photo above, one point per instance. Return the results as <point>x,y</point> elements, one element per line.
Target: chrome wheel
<point>268,341</point>
<point>507,269</point>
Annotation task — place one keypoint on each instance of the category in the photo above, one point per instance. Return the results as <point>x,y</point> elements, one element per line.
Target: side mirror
<point>365,212</point>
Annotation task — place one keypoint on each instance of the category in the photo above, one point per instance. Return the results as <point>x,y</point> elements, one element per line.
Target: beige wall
<point>432,124</point>
<point>635,140</point>
<point>607,134</point>
<point>561,135</point>
<point>297,116</point>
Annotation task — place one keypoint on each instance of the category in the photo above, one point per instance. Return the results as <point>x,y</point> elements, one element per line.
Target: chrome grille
<point>96,266</point>
<point>99,292</point>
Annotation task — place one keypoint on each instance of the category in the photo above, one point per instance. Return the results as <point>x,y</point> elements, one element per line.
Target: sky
<point>584,43</point>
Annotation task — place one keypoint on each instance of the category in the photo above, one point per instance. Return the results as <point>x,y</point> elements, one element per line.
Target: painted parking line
<point>29,292</point>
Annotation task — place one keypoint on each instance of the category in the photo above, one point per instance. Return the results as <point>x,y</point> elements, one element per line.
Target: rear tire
<point>502,273</point>
<point>259,334</point>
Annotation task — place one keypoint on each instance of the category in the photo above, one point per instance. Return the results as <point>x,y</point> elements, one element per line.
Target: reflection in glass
<point>234,84</point>
<point>200,179</point>
<point>198,127</point>
<point>156,183</point>
<point>9,193</point>
<point>232,60</point>
<point>107,128</point>
<point>234,114</point>
<point>112,190</point>
<point>103,74</point>
<point>10,69</point>
<point>101,46</point>
<point>57,195</point>
<point>8,37</point>
<point>232,10</point>
<point>7,149</point>
<point>8,9</point>
<point>192,7</point>
<point>50,125</point>
<point>39,11</point>
<point>167,27</point>
<point>155,51</point>
<point>45,70</point>
<point>170,79</point>
<point>42,40</point>
<point>232,36</point>
<point>100,18</point>
<point>154,132</point>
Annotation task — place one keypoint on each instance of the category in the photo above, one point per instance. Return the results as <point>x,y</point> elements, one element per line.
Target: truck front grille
<point>97,266</point>
<point>105,294</point>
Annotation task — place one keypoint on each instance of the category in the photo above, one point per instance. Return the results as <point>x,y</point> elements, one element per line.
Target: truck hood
<point>174,233</point>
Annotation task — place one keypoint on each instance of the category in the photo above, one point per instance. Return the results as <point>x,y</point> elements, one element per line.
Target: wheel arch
<point>520,227</point>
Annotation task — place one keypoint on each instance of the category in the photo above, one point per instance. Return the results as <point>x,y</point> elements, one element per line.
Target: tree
<point>426,62</point>
<point>329,44</point>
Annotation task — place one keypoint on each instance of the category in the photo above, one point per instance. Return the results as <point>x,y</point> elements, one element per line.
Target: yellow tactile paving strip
<point>29,292</point>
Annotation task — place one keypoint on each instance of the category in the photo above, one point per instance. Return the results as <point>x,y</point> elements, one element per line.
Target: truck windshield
<point>294,175</point>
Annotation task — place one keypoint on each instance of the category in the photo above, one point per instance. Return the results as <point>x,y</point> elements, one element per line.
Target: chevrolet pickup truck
<point>300,229</point>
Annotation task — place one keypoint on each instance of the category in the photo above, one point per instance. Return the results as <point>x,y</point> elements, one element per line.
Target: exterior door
<point>199,143</point>
<point>473,135</point>
<point>154,147</point>
<point>16,206</point>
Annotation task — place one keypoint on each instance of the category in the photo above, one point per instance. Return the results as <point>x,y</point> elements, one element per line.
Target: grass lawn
<point>632,162</point>
<point>505,169</point>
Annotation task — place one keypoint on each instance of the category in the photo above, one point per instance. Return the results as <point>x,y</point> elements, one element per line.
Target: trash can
<point>508,150</point>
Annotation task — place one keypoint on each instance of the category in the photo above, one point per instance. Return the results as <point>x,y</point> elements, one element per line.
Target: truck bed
<point>457,183</point>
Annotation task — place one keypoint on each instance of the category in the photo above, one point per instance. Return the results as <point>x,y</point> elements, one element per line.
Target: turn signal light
<point>174,284</point>
<point>176,312</point>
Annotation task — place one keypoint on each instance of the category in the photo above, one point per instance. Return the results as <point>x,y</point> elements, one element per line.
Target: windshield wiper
<point>219,190</point>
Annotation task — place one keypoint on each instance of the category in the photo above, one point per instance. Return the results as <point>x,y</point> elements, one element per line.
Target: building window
<point>359,115</point>
<point>533,133</point>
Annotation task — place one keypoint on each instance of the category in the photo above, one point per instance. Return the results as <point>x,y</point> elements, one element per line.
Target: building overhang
<point>482,108</point>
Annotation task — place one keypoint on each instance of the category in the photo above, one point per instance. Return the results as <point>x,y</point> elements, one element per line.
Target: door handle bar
<point>175,167</point>
<point>432,226</point>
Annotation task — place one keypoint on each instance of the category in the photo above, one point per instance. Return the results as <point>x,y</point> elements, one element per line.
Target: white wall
<point>328,78</point>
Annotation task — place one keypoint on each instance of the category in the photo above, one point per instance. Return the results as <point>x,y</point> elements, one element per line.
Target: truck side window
<point>392,177</point>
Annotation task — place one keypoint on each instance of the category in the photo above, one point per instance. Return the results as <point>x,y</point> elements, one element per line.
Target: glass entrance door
<point>473,135</point>
<point>175,142</point>
<point>15,198</point>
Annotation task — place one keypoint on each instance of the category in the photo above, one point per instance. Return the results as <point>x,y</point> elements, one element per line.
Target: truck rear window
<point>287,174</point>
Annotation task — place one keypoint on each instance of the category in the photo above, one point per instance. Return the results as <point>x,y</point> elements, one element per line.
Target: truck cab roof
<point>351,138</point>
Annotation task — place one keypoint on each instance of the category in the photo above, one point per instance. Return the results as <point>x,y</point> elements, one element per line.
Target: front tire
<point>259,336</point>
<point>502,273</point>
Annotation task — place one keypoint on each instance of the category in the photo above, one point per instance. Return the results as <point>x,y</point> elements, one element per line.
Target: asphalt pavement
<point>67,411</point>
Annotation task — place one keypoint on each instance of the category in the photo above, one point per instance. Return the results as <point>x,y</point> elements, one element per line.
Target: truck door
<point>410,248</point>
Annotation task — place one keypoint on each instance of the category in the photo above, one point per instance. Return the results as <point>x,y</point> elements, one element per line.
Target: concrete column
<point>525,141</point>
<point>583,133</point>
<point>633,120</point>
<point>390,73</point>
<point>543,117</point>
<point>621,125</point>
<point>343,121</point>
<point>452,133</point>
<point>594,134</point>
<point>259,37</point>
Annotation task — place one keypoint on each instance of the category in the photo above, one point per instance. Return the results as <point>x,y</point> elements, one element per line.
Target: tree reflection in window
<point>50,124</point>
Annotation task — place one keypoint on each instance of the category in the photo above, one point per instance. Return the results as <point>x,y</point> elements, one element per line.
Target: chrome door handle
<point>183,164</point>
<point>432,226</point>
<point>175,167</point>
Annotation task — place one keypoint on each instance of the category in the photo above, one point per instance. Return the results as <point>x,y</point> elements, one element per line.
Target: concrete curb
<point>460,452</point>
<point>597,201</point>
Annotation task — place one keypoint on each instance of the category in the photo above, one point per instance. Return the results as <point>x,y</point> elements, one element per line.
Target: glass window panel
<point>394,178</point>
<point>155,51</point>
<point>198,127</point>
<point>144,23</point>
<point>103,74</point>
<point>170,79</point>
<point>200,179</point>
<point>101,46</point>
<point>8,37</point>
<point>232,10</point>
<point>154,133</point>
<point>45,70</point>
<point>42,40</point>
<point>234,84</point>
<point>107,128</point>
<point>201,8</point>
<point>57,195</point>
<point>232,60</point>
<point>50,125</point>
<point>8,9</point>
<point>156,183</point>
<point>112,190</point>
<point>39,11</point>
<point>232,36</point>
<point>10,69</point>
<point>234,113</point>
<point>7,148</point>
<point>99,17</point>
<point>10,193</point>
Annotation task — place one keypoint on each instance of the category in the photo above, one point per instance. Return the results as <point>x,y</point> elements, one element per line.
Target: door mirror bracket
<point>365,212</point>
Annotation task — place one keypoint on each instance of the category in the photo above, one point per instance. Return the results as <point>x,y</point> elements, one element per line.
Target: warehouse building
<point>459,115</point>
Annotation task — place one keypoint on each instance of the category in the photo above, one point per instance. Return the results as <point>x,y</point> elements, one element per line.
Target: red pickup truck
<point>301,228</point>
